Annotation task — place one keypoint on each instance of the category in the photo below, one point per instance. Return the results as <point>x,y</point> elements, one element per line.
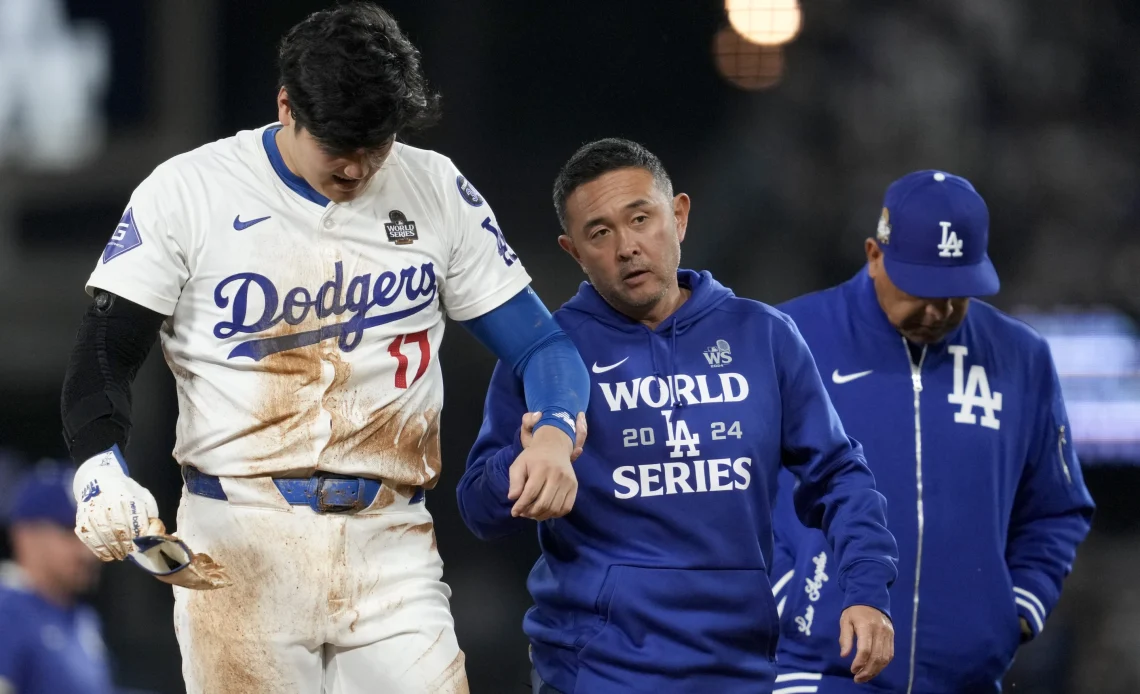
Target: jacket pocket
<point>682,623</point>
<point>601,608</point>
<point>968,629</point>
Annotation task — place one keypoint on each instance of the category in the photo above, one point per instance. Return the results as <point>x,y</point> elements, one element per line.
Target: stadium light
<point>745,64</point>
<point>765,22</point>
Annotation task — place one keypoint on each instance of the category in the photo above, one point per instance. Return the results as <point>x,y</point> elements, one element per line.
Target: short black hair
<point>354,80</point>
<point>597,158</point>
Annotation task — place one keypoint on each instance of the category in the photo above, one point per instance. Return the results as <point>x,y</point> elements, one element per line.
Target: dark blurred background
<point>785,149</point>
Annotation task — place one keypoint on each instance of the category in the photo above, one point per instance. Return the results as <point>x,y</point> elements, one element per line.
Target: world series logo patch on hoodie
<point>719,354</point>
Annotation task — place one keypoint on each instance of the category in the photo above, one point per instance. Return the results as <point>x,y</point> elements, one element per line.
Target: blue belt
<point>324,493</point>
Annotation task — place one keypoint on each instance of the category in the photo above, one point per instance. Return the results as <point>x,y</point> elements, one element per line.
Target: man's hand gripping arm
<point>525,337</point>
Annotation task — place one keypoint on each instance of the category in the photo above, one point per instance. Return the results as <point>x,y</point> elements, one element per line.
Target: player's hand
<point>542,480</point>
<point>526,434</point>
<point>111,508</point>
<point>871,633</point>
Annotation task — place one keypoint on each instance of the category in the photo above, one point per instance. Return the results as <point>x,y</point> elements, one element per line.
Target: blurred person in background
<point>960,411</point>
<point>657,580</point>
<point>301,274</point>
<point>50,643</point>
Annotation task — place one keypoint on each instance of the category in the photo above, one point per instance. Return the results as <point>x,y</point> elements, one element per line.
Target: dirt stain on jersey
<point>401,446</point>
<point>398,442</point>
<point>341,403</point>
<point>188,412</point>
<point>384,498</point>
<point>288,407</point>
<point>183,378</point>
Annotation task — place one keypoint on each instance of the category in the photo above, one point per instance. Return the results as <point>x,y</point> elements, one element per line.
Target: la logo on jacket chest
<point>973,390</point>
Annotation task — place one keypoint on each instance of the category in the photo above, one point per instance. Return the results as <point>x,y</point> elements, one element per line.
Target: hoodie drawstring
<point>674,402</point>
<point>671,381</point>
<point>652,354</point>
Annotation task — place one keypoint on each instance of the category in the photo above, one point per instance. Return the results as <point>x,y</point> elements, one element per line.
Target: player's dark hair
<point>354,80</point>
<point>595,159</point>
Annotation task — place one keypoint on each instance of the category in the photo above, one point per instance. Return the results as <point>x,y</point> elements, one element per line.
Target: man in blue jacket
<point>49,641</point>
<point>959,409</point>
<point>657,580</point>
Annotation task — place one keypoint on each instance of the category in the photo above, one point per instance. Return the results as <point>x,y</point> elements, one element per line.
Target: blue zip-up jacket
<point>970,444</point>
<point>657,580</point>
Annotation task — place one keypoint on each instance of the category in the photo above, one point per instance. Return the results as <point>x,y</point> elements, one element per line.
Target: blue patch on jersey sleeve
<point>125,238</point>
<point>468,192</point>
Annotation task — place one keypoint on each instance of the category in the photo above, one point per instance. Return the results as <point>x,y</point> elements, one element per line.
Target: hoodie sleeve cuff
<point>868,583</point>
<point>500,472</point>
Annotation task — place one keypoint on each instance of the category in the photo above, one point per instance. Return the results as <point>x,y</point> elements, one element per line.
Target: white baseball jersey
<point>305,336</point>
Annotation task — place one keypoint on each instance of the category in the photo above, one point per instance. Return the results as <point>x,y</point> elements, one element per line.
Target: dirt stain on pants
<point>319,603</point>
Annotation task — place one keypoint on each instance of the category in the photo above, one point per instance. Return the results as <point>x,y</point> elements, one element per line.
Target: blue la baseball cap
<point>43,493</point>
<point>934,231</point>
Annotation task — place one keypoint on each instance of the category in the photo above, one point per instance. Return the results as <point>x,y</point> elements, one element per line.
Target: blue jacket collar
<point>865,303</point>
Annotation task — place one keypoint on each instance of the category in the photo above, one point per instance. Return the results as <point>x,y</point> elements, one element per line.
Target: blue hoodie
<point>971,446</point>
<point>657,580</point>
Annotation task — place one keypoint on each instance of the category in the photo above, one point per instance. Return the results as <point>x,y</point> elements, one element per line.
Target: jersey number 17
<point>421,339</point>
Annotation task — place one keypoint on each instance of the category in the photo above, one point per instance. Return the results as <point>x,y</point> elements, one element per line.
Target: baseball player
<point>49,641</point>
<point>960,411</point>
<point>299,275</point>
<point>657,581</point>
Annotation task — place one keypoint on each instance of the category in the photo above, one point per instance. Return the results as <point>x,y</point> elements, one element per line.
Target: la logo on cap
<point>951,245</point>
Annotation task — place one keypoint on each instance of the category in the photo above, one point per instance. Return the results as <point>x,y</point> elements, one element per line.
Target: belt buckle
<point>320,505</point>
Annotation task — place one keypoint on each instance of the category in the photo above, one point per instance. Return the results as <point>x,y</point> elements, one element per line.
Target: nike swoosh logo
<point>836,378</point>
<point>239,225</point>
<point>602,369</point>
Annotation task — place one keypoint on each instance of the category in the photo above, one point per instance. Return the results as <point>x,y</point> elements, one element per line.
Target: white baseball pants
<point>320,603</point>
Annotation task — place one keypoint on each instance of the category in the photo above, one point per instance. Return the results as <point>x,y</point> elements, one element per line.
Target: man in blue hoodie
<point>657,580</point>
<point>959,409</point>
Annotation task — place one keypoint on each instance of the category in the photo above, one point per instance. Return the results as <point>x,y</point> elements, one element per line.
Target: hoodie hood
<point>707,294</point>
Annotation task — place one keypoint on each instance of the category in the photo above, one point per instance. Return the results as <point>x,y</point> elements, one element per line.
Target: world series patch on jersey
<point>305,336</point>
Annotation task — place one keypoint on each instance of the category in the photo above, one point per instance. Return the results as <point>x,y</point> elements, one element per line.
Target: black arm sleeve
<point>112,343</point>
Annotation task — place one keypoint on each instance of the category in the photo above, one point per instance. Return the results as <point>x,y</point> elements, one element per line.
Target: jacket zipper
<point>916,383</point>
<point>1061,455</point>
